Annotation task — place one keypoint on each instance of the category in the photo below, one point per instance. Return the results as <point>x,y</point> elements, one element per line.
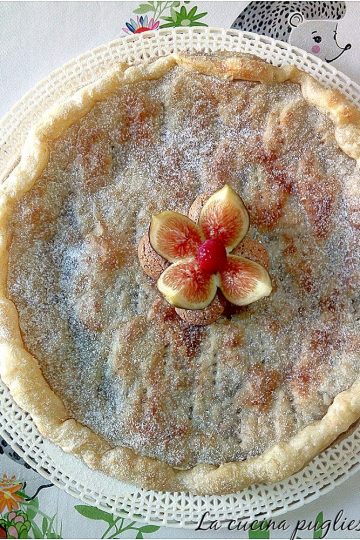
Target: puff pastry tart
<point>124,352</point>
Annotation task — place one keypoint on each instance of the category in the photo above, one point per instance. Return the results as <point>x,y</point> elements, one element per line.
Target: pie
<point>90,348</point>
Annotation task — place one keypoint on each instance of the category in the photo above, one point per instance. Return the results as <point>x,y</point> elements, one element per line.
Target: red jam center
<point>211,256</point>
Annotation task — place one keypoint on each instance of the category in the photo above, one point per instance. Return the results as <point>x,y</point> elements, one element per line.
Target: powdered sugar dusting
<point>117,354</point>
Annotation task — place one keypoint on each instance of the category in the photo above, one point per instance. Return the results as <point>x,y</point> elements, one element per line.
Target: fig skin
<point>253,250</point>
<point>151,262</point>
<point>203,317</point>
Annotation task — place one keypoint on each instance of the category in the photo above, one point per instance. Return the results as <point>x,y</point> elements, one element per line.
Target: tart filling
<point>249,386</point>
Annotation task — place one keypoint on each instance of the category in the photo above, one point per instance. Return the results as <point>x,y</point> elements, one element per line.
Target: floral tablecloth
<point>36,38</point>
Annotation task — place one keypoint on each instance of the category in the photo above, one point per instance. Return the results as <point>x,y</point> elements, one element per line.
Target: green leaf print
<point>143,8</point>
<point>36,531</point>
<point>117,525</point>
<point>91,512</point>
<point>44,525</point>
<point>149,529</point>
<point>259,530</point>
<point>173,14</point>
<point>318,524</point>
<point>32,508</point>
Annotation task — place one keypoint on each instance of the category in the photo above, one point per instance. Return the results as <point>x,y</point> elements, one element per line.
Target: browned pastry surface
<point>119,358</point>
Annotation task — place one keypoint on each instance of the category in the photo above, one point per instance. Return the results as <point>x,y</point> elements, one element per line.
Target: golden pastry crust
<point>20,370</point>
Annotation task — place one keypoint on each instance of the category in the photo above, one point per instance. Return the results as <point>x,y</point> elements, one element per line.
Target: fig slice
<point>225,218</point>
<point>244,281</point>
<point>174,236</point>
<point>185,286</point>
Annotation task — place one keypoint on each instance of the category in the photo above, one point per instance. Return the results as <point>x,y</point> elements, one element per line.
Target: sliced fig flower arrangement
<point>201,259</point>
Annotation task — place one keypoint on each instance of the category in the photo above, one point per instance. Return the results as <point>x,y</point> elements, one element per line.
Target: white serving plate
<point>328,469</point>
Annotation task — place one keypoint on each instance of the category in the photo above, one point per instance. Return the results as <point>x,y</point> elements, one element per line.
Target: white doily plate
<point>328,469</point>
